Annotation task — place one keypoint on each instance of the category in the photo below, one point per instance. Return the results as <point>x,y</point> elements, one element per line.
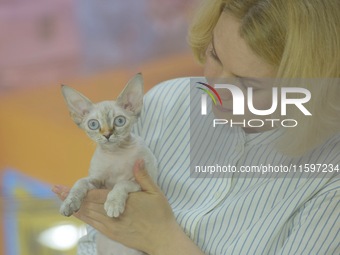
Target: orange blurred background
<point>93,46</point>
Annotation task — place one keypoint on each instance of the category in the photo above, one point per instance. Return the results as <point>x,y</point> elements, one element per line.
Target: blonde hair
<point>301,38</point>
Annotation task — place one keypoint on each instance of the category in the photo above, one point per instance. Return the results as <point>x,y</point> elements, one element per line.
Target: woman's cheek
<point>211,69</point>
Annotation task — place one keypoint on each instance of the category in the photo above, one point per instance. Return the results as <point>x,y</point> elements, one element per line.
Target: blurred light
<point>61,237</point>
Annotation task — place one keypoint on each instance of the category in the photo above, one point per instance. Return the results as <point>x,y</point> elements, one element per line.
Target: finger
<point>61,191</point>
<point>92,218</point>
<point>92,206</point>
<point>143,178</point>
<point>97,196</point>
<point>96,217</point>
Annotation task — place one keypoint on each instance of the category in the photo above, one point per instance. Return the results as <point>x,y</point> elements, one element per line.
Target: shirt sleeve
<point>87,243</point>
<point>315,227</point>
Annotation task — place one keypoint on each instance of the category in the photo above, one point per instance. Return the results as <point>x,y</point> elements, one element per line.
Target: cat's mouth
<point>109,141</point>
<point>106,139</point>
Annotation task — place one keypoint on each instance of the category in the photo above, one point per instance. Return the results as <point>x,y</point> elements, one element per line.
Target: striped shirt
<point>236,213</point>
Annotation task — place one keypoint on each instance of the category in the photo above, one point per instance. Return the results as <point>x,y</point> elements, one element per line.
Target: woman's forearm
<point>176,242</point>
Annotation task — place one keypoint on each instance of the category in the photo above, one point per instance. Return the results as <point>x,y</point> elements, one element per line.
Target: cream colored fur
<point>117,150</point>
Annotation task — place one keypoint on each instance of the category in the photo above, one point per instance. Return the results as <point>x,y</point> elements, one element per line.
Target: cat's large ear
<point>78,105</point>
<point>131,98</point>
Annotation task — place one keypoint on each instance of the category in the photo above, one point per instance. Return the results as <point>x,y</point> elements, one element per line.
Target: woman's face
<point>228,56</point>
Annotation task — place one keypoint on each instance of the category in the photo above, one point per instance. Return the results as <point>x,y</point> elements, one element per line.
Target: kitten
<point>109,123</point>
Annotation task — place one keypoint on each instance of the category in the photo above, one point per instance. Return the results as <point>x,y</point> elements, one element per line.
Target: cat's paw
<point>114,207</point>
<point>70,206</point>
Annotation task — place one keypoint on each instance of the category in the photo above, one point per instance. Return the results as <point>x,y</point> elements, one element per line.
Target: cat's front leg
<point>76,195</point>
<point>115,201</point>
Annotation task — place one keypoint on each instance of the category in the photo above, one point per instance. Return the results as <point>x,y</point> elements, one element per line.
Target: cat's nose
<point>107,135</point>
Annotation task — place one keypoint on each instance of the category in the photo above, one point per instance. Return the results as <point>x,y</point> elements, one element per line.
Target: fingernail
<point>63,194</point>
<point>56,189</point>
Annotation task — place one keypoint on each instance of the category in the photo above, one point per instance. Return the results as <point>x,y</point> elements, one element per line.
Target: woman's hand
<point>147,223</point>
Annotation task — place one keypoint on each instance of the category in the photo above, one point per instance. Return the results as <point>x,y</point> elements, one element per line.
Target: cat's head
<point>107,122</point>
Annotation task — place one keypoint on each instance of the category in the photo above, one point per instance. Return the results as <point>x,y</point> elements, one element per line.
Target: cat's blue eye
<point>93,124</point>
<point>119,121</point>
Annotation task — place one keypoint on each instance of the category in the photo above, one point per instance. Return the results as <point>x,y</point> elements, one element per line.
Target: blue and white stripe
<point>238,214</point>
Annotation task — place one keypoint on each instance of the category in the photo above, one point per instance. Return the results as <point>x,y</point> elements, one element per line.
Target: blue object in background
<point>13,182</point>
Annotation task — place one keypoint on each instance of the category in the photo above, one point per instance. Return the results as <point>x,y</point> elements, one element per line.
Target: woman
<point>240,214</point>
